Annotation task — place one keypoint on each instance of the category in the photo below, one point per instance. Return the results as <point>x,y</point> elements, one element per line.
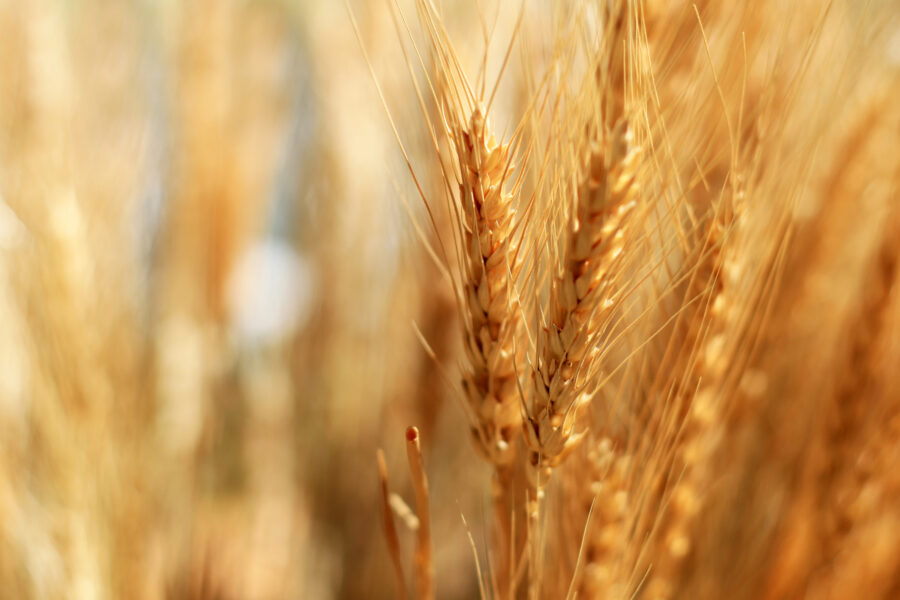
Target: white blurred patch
<point>269,293</point>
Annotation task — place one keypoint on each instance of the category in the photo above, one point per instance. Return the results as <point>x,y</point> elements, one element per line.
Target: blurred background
<point>208,284</point>
<point>210,291</point>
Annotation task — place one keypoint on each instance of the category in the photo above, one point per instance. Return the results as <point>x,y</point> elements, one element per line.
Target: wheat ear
<point>583,298</point>
<point>492,322</point>
<point>479,174</point>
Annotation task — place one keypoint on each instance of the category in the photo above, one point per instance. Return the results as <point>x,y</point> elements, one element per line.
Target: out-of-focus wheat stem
<point>424,552</point>
<point>390,529</point>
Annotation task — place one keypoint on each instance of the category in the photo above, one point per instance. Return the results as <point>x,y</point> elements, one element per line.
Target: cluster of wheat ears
<point>676,277</point>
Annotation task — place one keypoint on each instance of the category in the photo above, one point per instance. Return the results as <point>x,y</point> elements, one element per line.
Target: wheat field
<point>500,299</point>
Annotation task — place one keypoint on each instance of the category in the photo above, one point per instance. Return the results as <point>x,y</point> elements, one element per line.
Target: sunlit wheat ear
<point>703,369</point>
<point>481,179</point>
<point>592,260</point>
<point>492,321</point>
<point>477,171</point>
<point>607,467</point>
<point>582,299</point>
